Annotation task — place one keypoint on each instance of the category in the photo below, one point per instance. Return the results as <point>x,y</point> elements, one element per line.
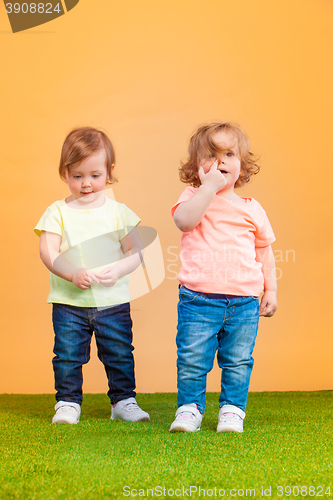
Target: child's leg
<point>113,332</point>
<point>236,342</point>
<point>71,349</point>
<point>199,320</point>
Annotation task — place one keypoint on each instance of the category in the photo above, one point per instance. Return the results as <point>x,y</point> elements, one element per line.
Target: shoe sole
<point>65,422</point>
<point>179,428</point>
<point>143,419</point>
<point>229,429</point>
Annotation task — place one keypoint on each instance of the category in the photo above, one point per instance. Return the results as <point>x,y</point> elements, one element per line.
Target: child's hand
<point>109,276</point>
<point>83,278</point>
<point>268,304</point>
<point>213,178</point>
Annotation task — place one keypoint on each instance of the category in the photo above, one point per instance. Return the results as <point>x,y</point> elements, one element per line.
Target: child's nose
<point>85,182</point>
<point>222,159</point>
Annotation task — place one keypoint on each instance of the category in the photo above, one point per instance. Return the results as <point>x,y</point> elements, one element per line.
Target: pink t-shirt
<point>218,256</point>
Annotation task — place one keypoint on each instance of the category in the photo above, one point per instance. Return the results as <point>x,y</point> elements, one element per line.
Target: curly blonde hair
<point>202,145</point>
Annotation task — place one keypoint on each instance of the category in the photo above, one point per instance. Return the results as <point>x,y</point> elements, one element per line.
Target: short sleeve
<point>51,221</point>
<point>264,236</point>
<point>185,196</point>
<point>128,220</point>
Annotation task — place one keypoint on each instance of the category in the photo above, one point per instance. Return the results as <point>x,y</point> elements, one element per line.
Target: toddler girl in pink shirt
<point>227,262</point>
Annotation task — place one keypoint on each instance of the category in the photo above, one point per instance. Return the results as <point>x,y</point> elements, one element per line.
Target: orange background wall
<point>148,73</point>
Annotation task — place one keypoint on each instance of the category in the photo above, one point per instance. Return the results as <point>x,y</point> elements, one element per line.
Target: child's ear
<point>65,175</point>
<point>109,176</point>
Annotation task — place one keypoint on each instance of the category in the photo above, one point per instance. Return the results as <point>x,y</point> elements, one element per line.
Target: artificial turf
<point>286,446</point>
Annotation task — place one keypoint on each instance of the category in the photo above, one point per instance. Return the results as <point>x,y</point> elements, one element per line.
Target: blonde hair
<point>202,145</point>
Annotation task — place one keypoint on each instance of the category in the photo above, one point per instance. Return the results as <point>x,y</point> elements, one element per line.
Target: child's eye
<point>76,176</point>
<point>95,176</point>
<point>230,153</point>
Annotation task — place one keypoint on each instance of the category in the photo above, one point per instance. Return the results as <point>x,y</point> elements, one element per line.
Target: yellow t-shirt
<point>90,239</point>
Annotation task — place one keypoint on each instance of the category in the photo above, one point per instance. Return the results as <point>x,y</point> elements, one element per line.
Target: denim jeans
<point>207,324</point>
<point>73,328</point>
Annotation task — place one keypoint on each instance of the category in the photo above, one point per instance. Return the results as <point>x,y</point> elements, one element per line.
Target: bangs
<point>206,146</point>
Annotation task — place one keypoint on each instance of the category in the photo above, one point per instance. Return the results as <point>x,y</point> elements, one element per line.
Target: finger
<point>104,278</point>
<point>107,280</point>
<point>262,308</point>
<point>103,272</point>
<point>93,277</point>
<point>269,311</point>
<point>201,173</point>
<point>214,165</point>
<point>266,315</point>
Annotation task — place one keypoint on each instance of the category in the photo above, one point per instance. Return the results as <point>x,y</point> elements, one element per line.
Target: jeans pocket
<point>187,296</point>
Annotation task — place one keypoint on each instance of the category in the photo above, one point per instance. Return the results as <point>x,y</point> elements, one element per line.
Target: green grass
<point>287,442</point>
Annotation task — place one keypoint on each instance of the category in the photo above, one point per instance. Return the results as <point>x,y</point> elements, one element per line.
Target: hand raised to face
<point>213,178</point>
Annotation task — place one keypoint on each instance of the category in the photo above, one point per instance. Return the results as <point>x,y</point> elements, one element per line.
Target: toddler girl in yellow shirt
<point>90,244</point>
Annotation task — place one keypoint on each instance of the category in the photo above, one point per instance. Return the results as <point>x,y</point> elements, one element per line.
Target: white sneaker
<point>230,419</point>
<point>129,410</point>
<point>188,419</point>
<point>66,413</point>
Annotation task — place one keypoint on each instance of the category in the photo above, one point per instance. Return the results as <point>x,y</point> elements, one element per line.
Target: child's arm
<point>49,247</point>
<point>190,213</point>
<point>132,248</point>
<point>268,303</point>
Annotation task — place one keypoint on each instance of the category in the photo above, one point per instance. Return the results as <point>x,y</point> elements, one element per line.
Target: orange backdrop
<point>148,73</point>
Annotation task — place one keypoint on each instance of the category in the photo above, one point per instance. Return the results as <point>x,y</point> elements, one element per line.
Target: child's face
<point>229,162</point>
<point>87,180</point>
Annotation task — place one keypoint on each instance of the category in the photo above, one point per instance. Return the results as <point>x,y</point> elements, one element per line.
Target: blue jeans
<point>73,329</point>
<point>207,324</point>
